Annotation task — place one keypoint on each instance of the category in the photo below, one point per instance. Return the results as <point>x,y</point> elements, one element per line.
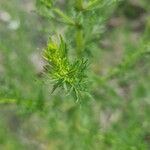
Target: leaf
<point>64,17</point>
<point>55,86</point>
<point>93,4</point>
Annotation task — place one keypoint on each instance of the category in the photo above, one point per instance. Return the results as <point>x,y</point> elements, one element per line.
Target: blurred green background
<point>118,118</point>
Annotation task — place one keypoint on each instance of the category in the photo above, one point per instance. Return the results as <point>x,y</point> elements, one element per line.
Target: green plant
<point>82,23</point>
<point>83,32</point>
<point>64,74</point>
<point>83,28</point>
<point>98,72</point>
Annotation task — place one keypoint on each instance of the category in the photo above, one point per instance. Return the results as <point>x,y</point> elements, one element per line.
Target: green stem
<point>79,42</point>
<point>79,5</point>
<point>8,101</point>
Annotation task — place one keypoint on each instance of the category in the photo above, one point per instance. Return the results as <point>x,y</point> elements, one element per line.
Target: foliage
<point>63,73</point>
<point>98,70</point>
<point>83,29</point>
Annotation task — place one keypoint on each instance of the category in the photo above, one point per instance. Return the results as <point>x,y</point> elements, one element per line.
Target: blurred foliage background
<point>118,115</point>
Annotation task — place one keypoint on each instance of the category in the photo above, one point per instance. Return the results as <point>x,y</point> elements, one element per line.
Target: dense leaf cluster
<point>70,76</point>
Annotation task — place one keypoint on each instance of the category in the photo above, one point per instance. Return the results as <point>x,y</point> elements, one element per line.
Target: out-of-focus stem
<point>79,5</point>
<point>79,42</point>
<point>8,101</point>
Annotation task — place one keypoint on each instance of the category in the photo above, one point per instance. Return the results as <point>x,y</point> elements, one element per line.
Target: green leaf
<point>64,17</point>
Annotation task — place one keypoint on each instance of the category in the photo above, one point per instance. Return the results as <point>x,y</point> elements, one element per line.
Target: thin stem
<point>79,5</point>
<point>8,101</point>
<point>79,36</point>
<point>79,42</point>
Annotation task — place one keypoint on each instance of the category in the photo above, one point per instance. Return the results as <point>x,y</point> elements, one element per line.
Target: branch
<point>7,101</point>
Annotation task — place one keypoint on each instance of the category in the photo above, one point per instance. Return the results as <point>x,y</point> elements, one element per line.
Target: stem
<point>79,38</point>
<point>79,5</point>
<point>79,42</point>
<point>147,31</point>
<point>8,101</point>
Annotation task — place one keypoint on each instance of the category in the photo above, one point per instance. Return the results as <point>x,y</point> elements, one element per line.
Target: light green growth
<point>47,3</point>
<point>70,76</point>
